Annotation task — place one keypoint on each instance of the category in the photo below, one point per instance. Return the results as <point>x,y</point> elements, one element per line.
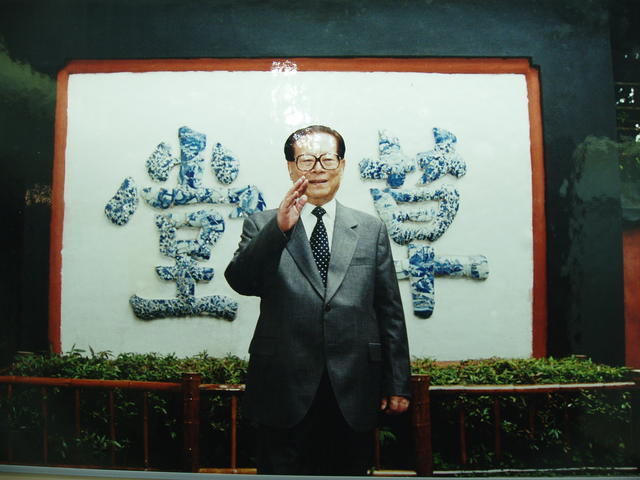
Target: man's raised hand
<point>291,206</point>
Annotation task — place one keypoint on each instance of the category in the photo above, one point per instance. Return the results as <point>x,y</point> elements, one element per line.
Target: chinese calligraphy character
<point>187,254</point>
<point>406,225</point>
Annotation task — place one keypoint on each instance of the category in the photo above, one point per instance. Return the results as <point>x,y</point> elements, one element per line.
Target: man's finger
<point>293,194</point>
<point>289,200</point>
<point>298,188</point>
<point>301,202</point>
<point>397,405</point>
<point>383,403</point>
<point>303,186</point>
<point>297,185</point>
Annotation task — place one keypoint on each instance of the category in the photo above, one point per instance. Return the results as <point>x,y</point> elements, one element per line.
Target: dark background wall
<point>568,40</point>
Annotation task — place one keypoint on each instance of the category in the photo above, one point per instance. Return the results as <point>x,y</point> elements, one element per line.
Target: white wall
<point>116,120</point>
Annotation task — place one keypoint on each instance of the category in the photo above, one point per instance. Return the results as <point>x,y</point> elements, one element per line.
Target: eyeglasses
<point>307,162</point>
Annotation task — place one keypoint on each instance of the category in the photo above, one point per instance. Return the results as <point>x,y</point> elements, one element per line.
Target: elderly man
<point>330,346</point>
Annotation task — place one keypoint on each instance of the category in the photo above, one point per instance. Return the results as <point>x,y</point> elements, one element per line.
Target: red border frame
<point>631,252</point>
<point>360,64</point>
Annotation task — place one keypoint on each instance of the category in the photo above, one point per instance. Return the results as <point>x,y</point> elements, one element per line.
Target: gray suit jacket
<point>354,328</point>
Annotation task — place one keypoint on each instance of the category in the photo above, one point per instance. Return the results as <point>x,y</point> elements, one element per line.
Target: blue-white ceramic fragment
<point>423,265</point>
<point>123,204</point>
<point>436,220</point>
<point>192,143</point>
<point>190,191</point>
<point>165,198</point>
<point>391,164</point>
<point>217,306</point>
<point>211,227</point>
<point>470,266</point>
<point>443,159</point>
<point>247,200</point>
<point>187,272</point>
<point>187,254</point>
<point>224,164</point>
<point>407,224</point>
<point>160,163</point>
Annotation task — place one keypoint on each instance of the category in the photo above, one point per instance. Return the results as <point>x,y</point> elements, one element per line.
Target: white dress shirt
<point>309,219</point>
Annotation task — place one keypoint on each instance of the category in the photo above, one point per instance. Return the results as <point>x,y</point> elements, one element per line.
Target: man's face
<point>323,184</point>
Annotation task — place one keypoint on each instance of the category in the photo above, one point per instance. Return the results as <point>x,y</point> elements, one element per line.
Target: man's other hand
<point>291,206</point>
<point>394,405</point>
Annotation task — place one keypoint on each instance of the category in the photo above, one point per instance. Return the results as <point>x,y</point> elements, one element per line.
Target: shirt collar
<point>329,207</point>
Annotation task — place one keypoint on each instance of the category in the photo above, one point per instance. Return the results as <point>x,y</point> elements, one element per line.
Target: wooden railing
<point>191,389</point>
<point>78,386</point>
<point>532,391</point>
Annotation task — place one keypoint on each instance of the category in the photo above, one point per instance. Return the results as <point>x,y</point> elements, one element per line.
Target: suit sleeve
<point>259,249</point>
<point>393,331</point>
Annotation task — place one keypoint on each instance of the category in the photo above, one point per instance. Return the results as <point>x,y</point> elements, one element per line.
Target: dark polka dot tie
<point>320,244</point>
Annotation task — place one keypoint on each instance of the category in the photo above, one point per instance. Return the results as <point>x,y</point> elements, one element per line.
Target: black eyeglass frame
<point>318,160</point>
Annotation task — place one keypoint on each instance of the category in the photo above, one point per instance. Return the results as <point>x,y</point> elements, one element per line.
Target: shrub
<point>586,428</point>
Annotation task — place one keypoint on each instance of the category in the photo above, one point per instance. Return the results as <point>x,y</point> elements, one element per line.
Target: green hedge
<point>231,369</point>
<point>570,429</point>
<point>519,371</point>
<point>130,366</point>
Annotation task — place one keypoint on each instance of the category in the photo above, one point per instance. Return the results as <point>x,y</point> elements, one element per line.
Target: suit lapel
<point>343,244</point>
<point>300,250</point>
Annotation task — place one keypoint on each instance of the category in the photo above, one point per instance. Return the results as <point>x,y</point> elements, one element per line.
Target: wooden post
<point>11,423</point>
<point>234,433</point>
<point>145,429</point>
<point>462,435</point>
<point>112,426</point>
<point>77,449</point>
<point>45,426</point>
<point>421,424</point>
<point>635,418</point>
<point>377,465</point>
<point>191,420</point>
<point>497,428</point>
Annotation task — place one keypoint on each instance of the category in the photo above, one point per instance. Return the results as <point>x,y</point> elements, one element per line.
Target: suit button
<point>327,308</point>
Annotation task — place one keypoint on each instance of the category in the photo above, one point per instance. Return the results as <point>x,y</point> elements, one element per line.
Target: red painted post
<point>191,420</point>
<point>421,424</point>
<point>635,418</point>
<point>234,433</point>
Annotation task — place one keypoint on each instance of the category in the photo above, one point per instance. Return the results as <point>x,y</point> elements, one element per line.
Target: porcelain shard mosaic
<point>188,255</point>
<point>392,164</point>
<point>123,204</point>
<point>190,190</point>
<point>410,215</point>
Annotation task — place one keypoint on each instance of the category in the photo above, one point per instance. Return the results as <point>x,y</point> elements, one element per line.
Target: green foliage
<point>584,428</point>
<point>525,371</point>
<point>130,366</point>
